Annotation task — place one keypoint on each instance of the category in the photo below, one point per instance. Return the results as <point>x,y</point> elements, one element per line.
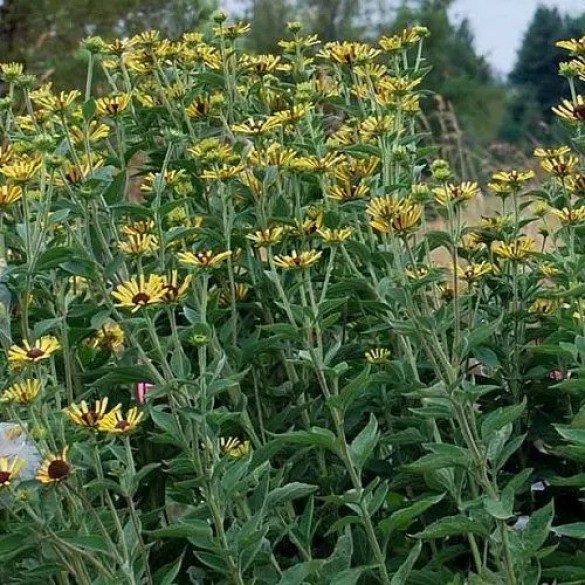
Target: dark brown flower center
<point>4,477</point>
<point>140,299</point>
<point>34,353</point>
<point>171,292</point>
<point>579,112</point>
<point>90,418</point>
<point>58,469</point>
<point>122,424</point>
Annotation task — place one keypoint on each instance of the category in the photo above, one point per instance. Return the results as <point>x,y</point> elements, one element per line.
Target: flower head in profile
<point>297,261</point>
<point>109,337</point>
<point>41,349</point>
<point>378,355</point>
<point>112,105</point>
<point>518,250</point>
<point>10,468</point>
<point>267,237</point>
<point>21,171</point>
<point>334,236</point>
<point>233,447</point>
<point>140,292</point>
<point>55,468</point>
<point>569,216</point>
<point>573,112</point>
<point>139,245</point>
<point>454,194</point>
<point>175,290</point>
<point>348,53</point>
<point>115,422</point>
<point>474,271</point>
<point>513,179</point>
<point>560,166</point>
<point>393,215</point>
<point>23,392</point>
<point>59,103</point>
<point>575,46</point>
<point>9,194</point>
<point>84,415</point>
<point>204,259</point>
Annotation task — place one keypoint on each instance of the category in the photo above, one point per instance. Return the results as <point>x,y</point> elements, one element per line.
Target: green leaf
<point>166,575</point>
<point>297,574</point>
<point>401,576</point>
<point>288,492</point>
<point>316,437</point>
<point>348,577</point>
<point>575,530</point>
<point>538,529</point>
<point>353,389</point>
<point>194,528</point>
<point>402,519</point>
<point>499,418</point>
<point>94,543</point>
<point>363,445</point>
<point>452,526</point>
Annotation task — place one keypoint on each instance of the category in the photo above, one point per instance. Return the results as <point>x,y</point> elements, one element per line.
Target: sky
<point>499,25</point>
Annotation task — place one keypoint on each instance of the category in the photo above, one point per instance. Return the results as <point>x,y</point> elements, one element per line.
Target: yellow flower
<point>273,155</point>
<point>234,447</point>
<point>232,31</point>
<point>206,259</point>
<point>516,251</point>
<point>317,164</point>
<point>252,127</point>
<point>9,194</point>
<point>137,228</point>
<point>22,392</point>
<point>6,154</point>
<point>543,306</point>
<point>574,46</point>
<point>571,112</point>
<point>58,103</point>
<point>9,470</point>
<point>548,269</point>
<point>455,194</point>
<point>561,166</point>
<point>241,292</point>
<point>10,72</point>
<point>154,182</point>
<point>514,178</point>
<point>472,242</point>
<point>392,215</point>
<point>94,132</point>
<point>172,290</point>
<point>541,152</point>
<point>222,173</point>
<point>348,53</point>
<point>569,216</point>
<point>84,416</point>
<point>21,171</point>
<point>139,244</point>
<point>379,355</point>
<point>41,349</point>
<point>140,292</point>
<point>335,236</point>
<point>416,272</point>
<point>267,237</point>
<point>204,105</point>
<point>116,423</point>
<point>112,105</point>
<point>110,337</point>
<point>348,191</point>
<point>55,468</point>
<point>474,271</point>
<point>298,261</point>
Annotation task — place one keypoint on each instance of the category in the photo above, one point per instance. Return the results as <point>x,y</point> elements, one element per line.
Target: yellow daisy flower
<point>516,251</point>
<point>41,349</point>
<point>302,260</point>
<point>474,271</point>
<point>513,178</point>
<point>116,423</point>
<point>55,468</point>
<point>335,236</point>
<point>267,237</point>
<point>139,245</point>
<point>569,216</point>
<point>454,194</point>
<point>9,194</point>
<point>206,259</point>
<point>225,294</point>
<point>112,105</point>
<point>110,337</point>
<point>9,470</point>
<point>571,112</point>
<point>21,171</point>
<point>560,166</point>
<point>84,416</point>
<point>173,291</point>
<point>234,447</point>
<point>378,355</point>
<point>22,392</point>
<point>140,292</point>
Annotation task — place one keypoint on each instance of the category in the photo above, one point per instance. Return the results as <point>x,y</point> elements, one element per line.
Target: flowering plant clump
<point>236,349</point>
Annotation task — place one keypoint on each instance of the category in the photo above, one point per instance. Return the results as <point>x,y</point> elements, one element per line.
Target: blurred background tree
<point>45,34</point>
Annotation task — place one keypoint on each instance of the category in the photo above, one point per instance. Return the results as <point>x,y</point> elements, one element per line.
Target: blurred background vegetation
<point>476,116</point>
